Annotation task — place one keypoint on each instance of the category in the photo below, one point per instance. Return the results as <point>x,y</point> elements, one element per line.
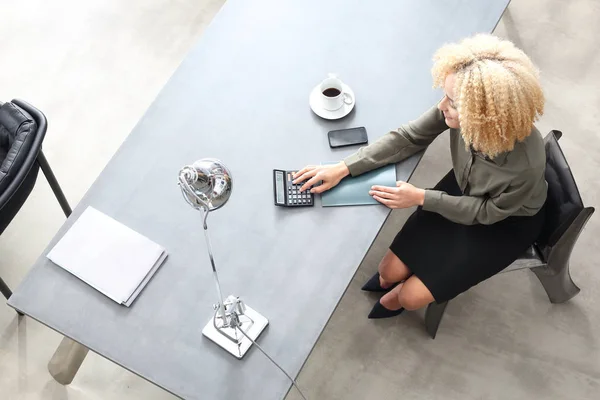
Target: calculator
<point>286,193</point>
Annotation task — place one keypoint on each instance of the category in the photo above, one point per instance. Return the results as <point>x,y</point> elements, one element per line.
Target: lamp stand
<point>231,315</point>
<point>227,335</point>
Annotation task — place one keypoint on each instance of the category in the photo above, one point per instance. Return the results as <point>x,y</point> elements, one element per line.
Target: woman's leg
<point>410,295</point>
<point>392,270</point>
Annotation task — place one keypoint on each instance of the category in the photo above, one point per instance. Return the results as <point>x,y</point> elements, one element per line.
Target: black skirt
<point>450,258</point>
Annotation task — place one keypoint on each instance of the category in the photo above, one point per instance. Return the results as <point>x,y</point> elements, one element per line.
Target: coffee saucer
<point>316,104</point>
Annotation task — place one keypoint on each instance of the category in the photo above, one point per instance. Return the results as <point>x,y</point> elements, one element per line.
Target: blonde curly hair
<point>497,91</point>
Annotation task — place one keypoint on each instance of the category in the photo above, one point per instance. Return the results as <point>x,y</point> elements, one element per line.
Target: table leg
<point>66,361</point>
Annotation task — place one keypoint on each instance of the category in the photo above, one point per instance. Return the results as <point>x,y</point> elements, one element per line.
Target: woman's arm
<point>470,210</point>
<point>397,145</point>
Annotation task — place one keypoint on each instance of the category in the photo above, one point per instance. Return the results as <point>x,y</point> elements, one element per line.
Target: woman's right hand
<point>330,174</point>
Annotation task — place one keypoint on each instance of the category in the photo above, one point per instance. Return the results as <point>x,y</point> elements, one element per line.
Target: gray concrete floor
<point>104,61</point>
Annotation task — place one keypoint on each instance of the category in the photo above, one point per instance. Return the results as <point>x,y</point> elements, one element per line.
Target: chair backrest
<point>27,154</point>
<point>17,132</point>
<point>564,201</point>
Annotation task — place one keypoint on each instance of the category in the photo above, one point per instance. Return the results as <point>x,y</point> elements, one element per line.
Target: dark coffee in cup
<point>331,92</point>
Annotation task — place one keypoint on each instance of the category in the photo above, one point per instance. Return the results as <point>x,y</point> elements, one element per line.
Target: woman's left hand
<point>404,195</point>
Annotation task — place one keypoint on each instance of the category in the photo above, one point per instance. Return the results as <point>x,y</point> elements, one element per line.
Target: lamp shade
<point>210,181</point>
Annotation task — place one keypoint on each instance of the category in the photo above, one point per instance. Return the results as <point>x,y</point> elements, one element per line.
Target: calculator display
<point>279,187</point>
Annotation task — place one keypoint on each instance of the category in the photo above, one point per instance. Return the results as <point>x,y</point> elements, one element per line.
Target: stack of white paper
<point>107,255</point>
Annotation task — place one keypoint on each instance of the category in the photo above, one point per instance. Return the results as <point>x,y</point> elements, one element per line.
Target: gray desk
<point>241,95</point>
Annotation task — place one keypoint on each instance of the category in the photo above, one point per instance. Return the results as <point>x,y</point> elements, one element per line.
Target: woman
<point>489,208</point>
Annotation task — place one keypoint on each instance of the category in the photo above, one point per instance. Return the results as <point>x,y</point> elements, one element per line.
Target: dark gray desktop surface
<point>241,95</point>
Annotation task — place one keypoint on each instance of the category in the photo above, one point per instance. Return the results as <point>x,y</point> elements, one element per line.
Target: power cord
<point>273,361</point>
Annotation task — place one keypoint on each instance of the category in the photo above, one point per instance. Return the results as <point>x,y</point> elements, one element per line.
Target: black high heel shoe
<point>373,285</point>
<point>379,311</point>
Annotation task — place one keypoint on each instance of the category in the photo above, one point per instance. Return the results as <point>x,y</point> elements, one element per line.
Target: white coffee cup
<point>333,96</point>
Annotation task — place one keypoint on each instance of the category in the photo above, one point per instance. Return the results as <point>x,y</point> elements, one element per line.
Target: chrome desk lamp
<point>206,186</point>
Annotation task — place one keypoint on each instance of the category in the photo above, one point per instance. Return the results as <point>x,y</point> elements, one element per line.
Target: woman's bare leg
<point>411,295</point>
<point>392,270</point>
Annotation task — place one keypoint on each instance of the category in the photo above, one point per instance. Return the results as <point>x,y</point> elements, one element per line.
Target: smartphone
<point>347,137</point>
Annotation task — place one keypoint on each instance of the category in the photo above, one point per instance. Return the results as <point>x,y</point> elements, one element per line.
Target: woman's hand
<point>330,174</point>
<point>404,195</point>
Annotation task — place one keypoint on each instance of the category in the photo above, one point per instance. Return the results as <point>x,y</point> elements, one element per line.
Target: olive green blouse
<point>511,184</point>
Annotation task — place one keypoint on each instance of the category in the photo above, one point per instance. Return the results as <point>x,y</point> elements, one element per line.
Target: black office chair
<point>22,130</point>
<point>549,257</point>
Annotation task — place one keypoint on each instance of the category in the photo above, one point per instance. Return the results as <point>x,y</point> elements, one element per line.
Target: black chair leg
<point>60,196</point>
<point>4,289</point>
<point>558,284</point>
<point>433,317</point>
<point>6,292</point>
<point>555,276</point>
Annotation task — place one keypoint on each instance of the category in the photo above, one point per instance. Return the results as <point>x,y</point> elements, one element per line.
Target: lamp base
<point>230,339</point>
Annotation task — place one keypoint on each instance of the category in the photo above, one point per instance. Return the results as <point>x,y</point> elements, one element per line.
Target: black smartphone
<point>347,137</point>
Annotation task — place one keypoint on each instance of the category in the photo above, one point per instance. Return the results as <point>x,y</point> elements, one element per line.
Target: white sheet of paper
<point>107,255</point>
<point>143,284</point>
